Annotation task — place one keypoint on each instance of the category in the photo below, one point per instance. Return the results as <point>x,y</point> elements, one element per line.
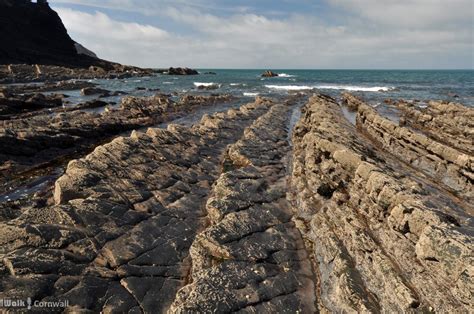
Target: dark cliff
<point>33,33</point>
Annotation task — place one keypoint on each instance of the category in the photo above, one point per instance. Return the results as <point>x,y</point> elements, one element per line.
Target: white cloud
<point>412,13</point>
<point>365,40</point>
<point>93,26</point>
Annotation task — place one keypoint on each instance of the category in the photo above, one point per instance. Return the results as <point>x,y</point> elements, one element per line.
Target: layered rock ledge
<point>251,258</point>
<point>447,165</point>
<point>382,235</point>
<point>449,123</point>
<point>26,141</point>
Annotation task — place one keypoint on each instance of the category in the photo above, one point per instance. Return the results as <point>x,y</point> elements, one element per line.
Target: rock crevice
<point>251,257</point>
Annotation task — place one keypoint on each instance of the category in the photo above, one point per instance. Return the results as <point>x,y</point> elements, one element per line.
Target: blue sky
<point>275,33</point>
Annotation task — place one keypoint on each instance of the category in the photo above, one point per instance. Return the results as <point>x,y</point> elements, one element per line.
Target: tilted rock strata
<point>126,215</point>
<point>204,219</point>
<point>445,164</point>
<point>380,238</point>
<point>251,257</point>
<point>448,123</point>
<point>46,136</point>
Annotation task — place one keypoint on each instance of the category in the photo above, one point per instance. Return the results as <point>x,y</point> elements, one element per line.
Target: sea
<point>374,86</point>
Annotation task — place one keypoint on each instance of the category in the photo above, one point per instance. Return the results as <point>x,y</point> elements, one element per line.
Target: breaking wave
<point>338,87</point>
<point>251,94</point>
<point>289,87</point>
<point>357,88</point>
<point>197,84</point>
<point>285,75</point>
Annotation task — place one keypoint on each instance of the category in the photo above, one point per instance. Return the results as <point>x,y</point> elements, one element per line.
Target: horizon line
<point>325,69</point>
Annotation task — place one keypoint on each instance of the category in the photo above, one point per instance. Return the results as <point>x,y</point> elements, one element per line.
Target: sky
<point>277,34</point>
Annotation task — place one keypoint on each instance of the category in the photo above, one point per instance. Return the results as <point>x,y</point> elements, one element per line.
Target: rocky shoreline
<point>240,211</point>
<point>26,73</point>
<point>384,233</point>
<point>40,135</point>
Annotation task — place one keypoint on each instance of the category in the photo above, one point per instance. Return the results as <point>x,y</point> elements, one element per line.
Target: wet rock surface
<point>238,214</point>
<point>47,87</point>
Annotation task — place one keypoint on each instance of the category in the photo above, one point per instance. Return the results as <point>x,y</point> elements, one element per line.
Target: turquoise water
<point>374,85</point>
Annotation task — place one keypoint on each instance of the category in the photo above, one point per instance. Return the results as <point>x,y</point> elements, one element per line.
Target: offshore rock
<point>269,73</point>
<point>88,91</point>
<point>182,71</point>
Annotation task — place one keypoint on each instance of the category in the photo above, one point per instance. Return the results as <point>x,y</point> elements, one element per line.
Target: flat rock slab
<point>125,217</point>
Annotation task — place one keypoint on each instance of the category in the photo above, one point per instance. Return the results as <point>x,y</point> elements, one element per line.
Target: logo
<point>29,304</point>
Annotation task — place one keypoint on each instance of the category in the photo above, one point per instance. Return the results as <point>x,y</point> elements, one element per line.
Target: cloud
<point>412,13</point>
<point>358,39</point>
<point>153,7</point>
<point>94,26</point>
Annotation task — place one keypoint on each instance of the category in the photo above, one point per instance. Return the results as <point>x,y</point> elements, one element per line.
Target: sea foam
<point>251,94</point>
<point>285,75</point>
<point>288,87</point>
<point>338,87</point>
<point>197,84</point>
<point>354,88</point>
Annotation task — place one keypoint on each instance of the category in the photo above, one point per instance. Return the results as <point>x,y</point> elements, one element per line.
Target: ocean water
<point>373,85</point>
